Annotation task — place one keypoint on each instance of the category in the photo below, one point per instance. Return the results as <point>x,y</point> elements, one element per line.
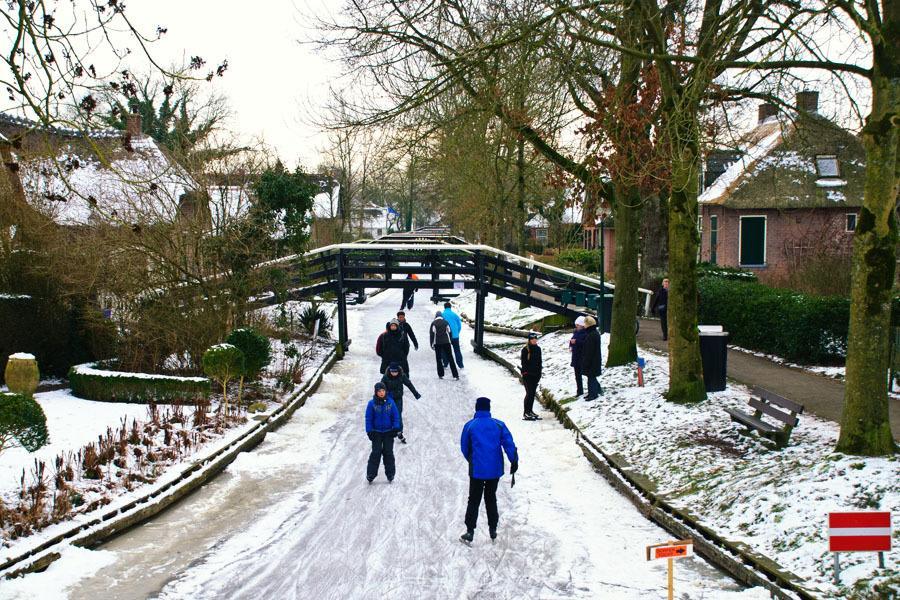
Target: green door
<point>753,241</point>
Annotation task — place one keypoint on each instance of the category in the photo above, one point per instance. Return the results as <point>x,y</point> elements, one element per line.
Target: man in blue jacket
<point>455,328</point>
<point>483,442</point>
<point>382,424</point>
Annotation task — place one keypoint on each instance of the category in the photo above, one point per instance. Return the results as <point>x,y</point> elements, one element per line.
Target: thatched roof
<point>778,168</point>
<point>76,177</point>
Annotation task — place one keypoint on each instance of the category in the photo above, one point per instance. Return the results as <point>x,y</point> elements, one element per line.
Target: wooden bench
<point>774,406</point>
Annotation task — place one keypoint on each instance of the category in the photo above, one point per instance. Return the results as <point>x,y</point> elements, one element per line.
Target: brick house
<point>790,190</point>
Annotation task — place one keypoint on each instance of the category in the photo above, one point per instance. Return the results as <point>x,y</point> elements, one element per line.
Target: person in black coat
<point>439,337</point>
<point>661,306</point>
<point>576,346</point>
<point>394,380</point>
<point>591,358</point>
<point>394,345</point>
<point>410,337</point>
<point>532,365</point>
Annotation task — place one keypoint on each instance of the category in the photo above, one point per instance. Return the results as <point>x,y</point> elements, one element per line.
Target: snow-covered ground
<point>777,502</point>
<point>72,423</point>
<point>500,311</point>
<point>295,518</point>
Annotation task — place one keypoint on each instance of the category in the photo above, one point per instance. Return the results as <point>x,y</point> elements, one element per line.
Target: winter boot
<point>467,537</point>
<point>535,416</point>
<point>369,479</point>
<point>493,534</point>
<point>529,417</point>
<point>400,437</point>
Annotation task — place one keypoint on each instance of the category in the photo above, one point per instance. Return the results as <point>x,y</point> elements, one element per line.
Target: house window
<point>827,165</point>
<point>851,222</point>
<point>713,238</point>
<point>540,235</point>
<point>753,241</point>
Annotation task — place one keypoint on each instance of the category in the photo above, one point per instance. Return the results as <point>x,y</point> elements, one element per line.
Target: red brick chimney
<point>808,101</point>
<point>133,125</point>
<point>766,110</point>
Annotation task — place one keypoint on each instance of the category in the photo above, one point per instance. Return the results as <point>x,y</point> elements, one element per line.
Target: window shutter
<point>753,241</point>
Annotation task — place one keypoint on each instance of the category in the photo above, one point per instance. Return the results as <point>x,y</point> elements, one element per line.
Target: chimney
<point>133,125</point>
<point>766,110</point>
<point>808,101</point>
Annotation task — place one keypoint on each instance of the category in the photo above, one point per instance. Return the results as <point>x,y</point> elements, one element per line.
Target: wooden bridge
<point>448,263</point>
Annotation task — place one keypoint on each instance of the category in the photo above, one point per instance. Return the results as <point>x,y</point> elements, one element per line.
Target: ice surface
<point>295,518</point>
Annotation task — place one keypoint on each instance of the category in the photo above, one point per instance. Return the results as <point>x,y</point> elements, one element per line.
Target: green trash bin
<point>607,312</point>
<point>566,297</point>
<point>580,298</point>
<point>593,301</point>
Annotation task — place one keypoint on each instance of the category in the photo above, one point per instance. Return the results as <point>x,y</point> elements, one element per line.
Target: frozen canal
<point>296,519</point>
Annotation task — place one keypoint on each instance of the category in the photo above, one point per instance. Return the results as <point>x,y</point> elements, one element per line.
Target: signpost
<point>670,551</point>
<point>640,371</point>
<point>858,532</point>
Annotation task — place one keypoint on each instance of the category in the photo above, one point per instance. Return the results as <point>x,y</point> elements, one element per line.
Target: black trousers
<point>399,403</point>
<point>442,352</point>
<point>382,447</point>
<point>579,381</point>
<point>531,384</point>
<point>477,487</point>
<point>664,322</point>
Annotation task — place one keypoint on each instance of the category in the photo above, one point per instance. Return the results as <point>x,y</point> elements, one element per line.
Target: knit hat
<point>589,321</point>
<point>393,322</point>
<point>483,404</point>
<point>438,313</point>
<point>580,321</point>
<point>446,305</point>
<point>532,335</point>
<point>380,386</point>
<point>394,366</point>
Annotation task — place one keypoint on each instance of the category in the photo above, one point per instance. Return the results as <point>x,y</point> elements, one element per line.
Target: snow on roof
<point>757,145</point>
<point>325,204</point>
<point>107,181</point>
<point>228,203</point>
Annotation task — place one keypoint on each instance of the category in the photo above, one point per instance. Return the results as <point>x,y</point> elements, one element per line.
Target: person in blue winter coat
<point>483,442</point>
<point>455,329</point>
<point>382,424</point>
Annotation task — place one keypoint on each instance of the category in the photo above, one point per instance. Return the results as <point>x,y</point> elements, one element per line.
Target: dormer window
<point>827,165</point>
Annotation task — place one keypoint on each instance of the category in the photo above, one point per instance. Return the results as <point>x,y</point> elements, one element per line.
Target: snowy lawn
<point>502,312</point>
<point>774,501</point>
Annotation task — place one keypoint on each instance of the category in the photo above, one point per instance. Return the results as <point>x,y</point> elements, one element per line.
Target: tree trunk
<point>622,343</point>
<point>520,196</point>
<point>865,427</point>
<point>654,250</point>
<point>685,366</point>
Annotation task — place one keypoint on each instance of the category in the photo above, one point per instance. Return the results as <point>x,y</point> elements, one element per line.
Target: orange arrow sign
<point>678,549</point>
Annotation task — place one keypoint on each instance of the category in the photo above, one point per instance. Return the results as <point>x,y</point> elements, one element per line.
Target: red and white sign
<point>679,549</point>
<point>859,532</point>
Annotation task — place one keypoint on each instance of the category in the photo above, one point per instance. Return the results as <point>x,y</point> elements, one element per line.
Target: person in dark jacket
<point>483,442</point>
<point>439,336</point>
<point>394,345</point>
<point>661,306</point>
<point>394,379</point>
<point>410,337</point>
<point>576,346</point>
<point>531,368</point>
<point>382,422</point>
<point>409,295</point>
<point>591,358</point>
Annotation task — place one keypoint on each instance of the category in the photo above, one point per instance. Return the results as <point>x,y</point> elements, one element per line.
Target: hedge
<point>91,382</point>
<point>580,259</point>
<point>798,327</point>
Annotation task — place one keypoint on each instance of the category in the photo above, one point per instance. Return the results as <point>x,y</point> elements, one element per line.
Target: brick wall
<point>791,236</point>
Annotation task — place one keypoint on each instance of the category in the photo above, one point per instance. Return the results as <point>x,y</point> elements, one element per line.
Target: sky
<point>276,87</point>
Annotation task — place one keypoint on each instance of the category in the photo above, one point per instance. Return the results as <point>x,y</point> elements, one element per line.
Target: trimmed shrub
<point>709,270</point>
<point>93,383</point>
<point>256,347</point>
<point>223,362</point>
<point>797,327</point>
<point>22,375</point>
<point>579,259</point>
<point>22,423</point>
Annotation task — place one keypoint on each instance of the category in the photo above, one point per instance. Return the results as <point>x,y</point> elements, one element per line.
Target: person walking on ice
<point>455,329</point>
<point>382,423</point>
<point>439,336</point>
<point>394,380</point>
<point>591,358</point>
<point>406,329</point>
<point>392,345</point>
<point>483,442</point>
<point>531,368</point>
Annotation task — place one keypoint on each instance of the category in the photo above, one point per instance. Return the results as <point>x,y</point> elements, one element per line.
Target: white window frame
<point>837,166</point>
<point>765,239</point>
<point>847,222</point>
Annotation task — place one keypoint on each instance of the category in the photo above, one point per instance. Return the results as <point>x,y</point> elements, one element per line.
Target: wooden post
<point>671,578</point>
<point>342,303</point>
<point>479,302</point>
